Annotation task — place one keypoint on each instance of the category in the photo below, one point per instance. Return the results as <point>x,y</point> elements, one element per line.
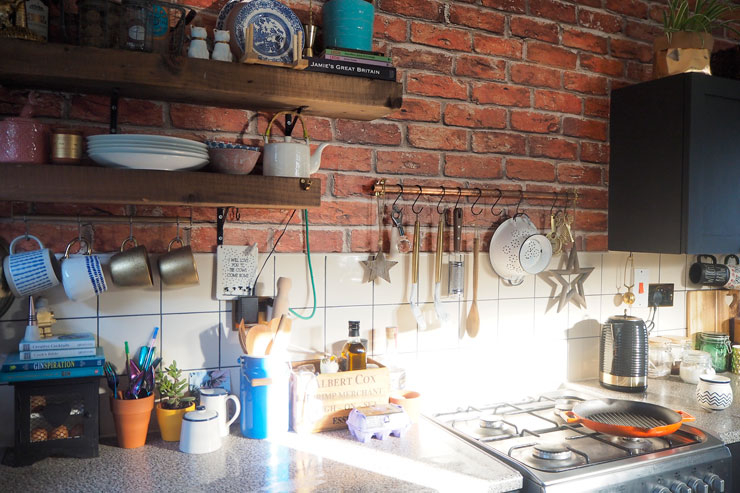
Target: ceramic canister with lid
<point>714,392</point>
<point>695,364</point>
<point>200,432</point>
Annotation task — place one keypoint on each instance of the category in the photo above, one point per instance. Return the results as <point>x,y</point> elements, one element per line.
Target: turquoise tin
<point>348,24</point>
<point>264,394</point>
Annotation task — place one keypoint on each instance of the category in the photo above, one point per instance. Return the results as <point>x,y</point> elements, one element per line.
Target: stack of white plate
<point>147,152</point>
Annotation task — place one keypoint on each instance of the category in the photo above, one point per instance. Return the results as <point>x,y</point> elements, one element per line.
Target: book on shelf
<point>25,376</point>
<point>340,58</point>
<point>62,341</point>
<point>348,52</point>
<point>15,361</point>
<point>353,69</point>
<point>57,353</point>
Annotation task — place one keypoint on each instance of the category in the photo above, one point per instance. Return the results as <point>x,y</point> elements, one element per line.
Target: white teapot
<point>288,158</point>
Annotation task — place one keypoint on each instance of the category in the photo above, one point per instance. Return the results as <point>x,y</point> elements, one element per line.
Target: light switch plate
<point>641,288</point>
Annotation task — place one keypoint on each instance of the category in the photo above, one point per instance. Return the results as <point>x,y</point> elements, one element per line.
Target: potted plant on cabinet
<point>173,402</point>
<point>687,43</point>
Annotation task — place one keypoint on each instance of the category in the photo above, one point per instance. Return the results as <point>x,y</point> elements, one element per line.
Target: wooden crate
<point>341,392</point>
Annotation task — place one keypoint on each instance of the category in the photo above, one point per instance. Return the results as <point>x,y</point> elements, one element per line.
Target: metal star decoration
<point>379,267</point>
<point>572,291</point>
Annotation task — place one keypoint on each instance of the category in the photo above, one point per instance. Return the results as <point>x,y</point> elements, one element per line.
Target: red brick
<point>203,239</point>
<point>639,72</point>
<point>267,216</point>
<point>576,38</point>
<point>552,147</point>
<point>352,185</point>
<point>646,32</point>
<point>390,28</point>
<point>533,75</point>
<point>471,115</point>
<point>502,94</point>
<point>530,121</point>
<point>589,84</point>
<point>527,27</point>
<point>557,101</point>
<point>436,85</point>
<point>420,58</point>
<point>476,18</point>
<point>590,221</point>
<point>606,23</point>
<point>493,45</point>
<point>480,67</point>
<point>656,12</point>
<point>131,111</point>
<point>551,55</point>
<point>321,241</point>
<point>592,152</point>
<point>317,128</point>
<point>590,3</point>
<point>595,243</point>
<point>441,37</point>
<point>559,11</point>
<point>634,8</point>
<point>206,118</point>
<point>343,213</point>
<point>356,132</point>
<point>591,129</point>
<point>622,48</point>
<point>408,162</point>
<point>530,170</point>
<point>602,65</point>
<point>365,240</point>
<point>43,103</point>
<point>596,107</point>
<point>576,173</point>
<point>473,166</point>
<point>347,158</point>
<point>589,198</point>
<point>420,110</point>
<point>426,9</point>
<point>430,137</point>
<point>519,6</point>
<point>499,142</point>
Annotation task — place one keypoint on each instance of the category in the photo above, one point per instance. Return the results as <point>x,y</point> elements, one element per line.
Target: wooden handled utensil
<point>472,324</point>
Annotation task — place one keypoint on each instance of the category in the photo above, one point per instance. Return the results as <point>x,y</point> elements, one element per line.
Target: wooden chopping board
<point>710,310</point>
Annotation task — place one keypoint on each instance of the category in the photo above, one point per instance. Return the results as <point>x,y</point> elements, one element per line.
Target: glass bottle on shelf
<point>354,352</point>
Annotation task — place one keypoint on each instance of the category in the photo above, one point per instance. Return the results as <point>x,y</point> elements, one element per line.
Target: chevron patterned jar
<point>714,392</point>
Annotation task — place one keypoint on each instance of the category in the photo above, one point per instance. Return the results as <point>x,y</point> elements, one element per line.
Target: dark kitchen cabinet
<point>674,170</point>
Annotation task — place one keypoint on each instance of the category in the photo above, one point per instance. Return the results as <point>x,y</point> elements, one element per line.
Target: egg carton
<point>378,421</point>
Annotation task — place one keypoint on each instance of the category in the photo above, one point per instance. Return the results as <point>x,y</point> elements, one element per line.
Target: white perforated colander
<point>516,250</point>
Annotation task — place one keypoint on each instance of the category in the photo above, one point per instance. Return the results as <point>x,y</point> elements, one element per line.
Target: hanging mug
<point>30,272</point>
<point>733,281</point>
<point>82,275</point>
<point>709,274</point>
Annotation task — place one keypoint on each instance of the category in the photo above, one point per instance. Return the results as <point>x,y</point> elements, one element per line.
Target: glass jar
<point>678,346</point>
<point>695,364</point>
<point>718,346</point>
<point>137,23</point>
<point>93,18</point>
<point>659,358</point>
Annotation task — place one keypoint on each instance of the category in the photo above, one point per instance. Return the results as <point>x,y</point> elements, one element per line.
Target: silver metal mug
<point>131,267</point>
<point>177,267</point>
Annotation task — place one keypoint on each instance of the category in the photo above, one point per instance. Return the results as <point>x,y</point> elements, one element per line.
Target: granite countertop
<point>673,392</point>
<point>426,458</point>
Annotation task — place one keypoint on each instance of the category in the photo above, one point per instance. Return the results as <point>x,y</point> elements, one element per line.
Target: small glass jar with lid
<point>718,346</point>
<point>659,357</point>
<point>695,364</point>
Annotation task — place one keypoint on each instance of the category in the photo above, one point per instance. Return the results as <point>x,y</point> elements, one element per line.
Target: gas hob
<point>533,437</point>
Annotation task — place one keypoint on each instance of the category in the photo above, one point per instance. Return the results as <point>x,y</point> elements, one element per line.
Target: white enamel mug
<point>215,400</point>
<point>30,272</point>
<point>82,275</point>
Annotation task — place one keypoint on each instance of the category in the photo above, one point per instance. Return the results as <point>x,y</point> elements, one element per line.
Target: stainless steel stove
<point>554,456</point>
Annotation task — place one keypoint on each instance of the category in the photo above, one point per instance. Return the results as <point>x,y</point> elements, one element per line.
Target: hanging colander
<point>517,249</point>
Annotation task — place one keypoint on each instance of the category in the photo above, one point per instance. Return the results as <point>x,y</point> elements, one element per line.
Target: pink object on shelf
<point>23,139</point>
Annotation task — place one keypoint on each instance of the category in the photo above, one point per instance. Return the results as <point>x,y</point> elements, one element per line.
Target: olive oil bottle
<point>354,352</point>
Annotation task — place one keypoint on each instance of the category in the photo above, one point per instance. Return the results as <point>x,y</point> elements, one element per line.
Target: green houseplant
<point>173,401</point>
<point>687,44</point>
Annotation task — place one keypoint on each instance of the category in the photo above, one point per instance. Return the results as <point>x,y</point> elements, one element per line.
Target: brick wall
<point>507,93</point>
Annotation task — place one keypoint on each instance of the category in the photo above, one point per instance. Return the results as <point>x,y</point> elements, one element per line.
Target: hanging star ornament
<point>571,290</point>
<point>379,267</point>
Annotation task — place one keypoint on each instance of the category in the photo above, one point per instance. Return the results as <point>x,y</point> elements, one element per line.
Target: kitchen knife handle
<point>457,225</point>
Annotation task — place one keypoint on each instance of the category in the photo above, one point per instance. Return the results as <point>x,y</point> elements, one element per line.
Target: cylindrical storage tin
<point>264,396</point>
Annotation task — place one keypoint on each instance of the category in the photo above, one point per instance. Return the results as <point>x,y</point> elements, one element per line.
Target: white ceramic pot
<point>200,432</point>
<point>215,400</point>
<point>714,392</point>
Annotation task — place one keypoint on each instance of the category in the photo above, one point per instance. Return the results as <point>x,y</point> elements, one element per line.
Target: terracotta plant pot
<point>131,417</point>
<point>685,52</point>
<point>170,421</point>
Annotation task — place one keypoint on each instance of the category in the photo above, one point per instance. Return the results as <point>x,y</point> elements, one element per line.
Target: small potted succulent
<point>173,401</point>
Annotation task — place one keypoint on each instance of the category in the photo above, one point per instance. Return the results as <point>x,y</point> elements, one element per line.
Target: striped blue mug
<point>30,272</point>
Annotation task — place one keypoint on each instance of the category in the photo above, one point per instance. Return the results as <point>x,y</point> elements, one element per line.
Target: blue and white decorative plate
<point>274,27</point>
<point>224,13</point>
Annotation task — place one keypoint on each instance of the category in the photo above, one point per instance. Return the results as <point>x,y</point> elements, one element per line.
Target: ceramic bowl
<point>234,161</point>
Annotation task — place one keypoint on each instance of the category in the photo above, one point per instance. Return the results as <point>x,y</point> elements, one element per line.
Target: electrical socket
<point>660,295</point>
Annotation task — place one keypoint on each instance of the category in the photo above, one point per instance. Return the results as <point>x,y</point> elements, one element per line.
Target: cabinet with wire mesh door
<point>674,169</point>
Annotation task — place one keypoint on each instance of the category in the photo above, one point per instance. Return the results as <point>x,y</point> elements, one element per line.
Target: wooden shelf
<point>188,80</point>
<point>90,184</point>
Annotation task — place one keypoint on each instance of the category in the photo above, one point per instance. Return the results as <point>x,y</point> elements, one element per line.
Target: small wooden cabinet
<point>674,172</point>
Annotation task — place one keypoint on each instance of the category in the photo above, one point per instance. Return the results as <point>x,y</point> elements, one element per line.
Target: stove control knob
<point>715,482</point>
<point>660,489</point>
<point>697,485</point>
<point>680,487</point>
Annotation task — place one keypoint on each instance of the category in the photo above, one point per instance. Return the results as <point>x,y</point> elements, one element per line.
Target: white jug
<point>215,400</point>
<point>288,158</point>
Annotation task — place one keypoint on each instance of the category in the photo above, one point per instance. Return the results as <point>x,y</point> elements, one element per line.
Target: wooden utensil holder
<point>251,56</point>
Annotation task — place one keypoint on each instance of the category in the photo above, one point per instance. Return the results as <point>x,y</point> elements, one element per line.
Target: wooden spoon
<point>281,339</point>
<point>258,338</point>
<point>472,325</point>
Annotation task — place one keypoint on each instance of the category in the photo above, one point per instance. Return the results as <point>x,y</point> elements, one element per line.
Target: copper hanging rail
<point>49,218</point>
<point>381,187</point>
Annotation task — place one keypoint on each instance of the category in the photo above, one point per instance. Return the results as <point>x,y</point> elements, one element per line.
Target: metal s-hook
<point>441,199</point>
<point>472,207</point>
<point>25,225</point>
<point>459,194</point>
<point>521,197</point>
<point>413,206</point>
<point>554,201</point>
<point>131,227</point>
<point>79,228</point>
<point>500,194</point>
<point>397,196</point>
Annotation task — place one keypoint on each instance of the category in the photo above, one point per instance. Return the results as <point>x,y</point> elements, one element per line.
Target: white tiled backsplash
<point>523,344</point>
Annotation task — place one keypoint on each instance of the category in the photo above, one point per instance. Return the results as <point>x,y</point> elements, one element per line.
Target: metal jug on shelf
<point>623,354</point>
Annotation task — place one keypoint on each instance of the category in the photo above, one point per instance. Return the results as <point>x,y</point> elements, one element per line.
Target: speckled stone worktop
<point>672,392</point>
<point>427,458</point>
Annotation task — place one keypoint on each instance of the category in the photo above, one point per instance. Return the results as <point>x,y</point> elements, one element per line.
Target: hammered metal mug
<point>131,267</point>
<point>177,267</point>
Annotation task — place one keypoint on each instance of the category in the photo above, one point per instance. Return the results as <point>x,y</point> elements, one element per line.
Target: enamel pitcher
<point>288,158</point>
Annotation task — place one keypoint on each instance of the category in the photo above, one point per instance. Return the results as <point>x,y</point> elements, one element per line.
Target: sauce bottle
<point>354,352</point>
